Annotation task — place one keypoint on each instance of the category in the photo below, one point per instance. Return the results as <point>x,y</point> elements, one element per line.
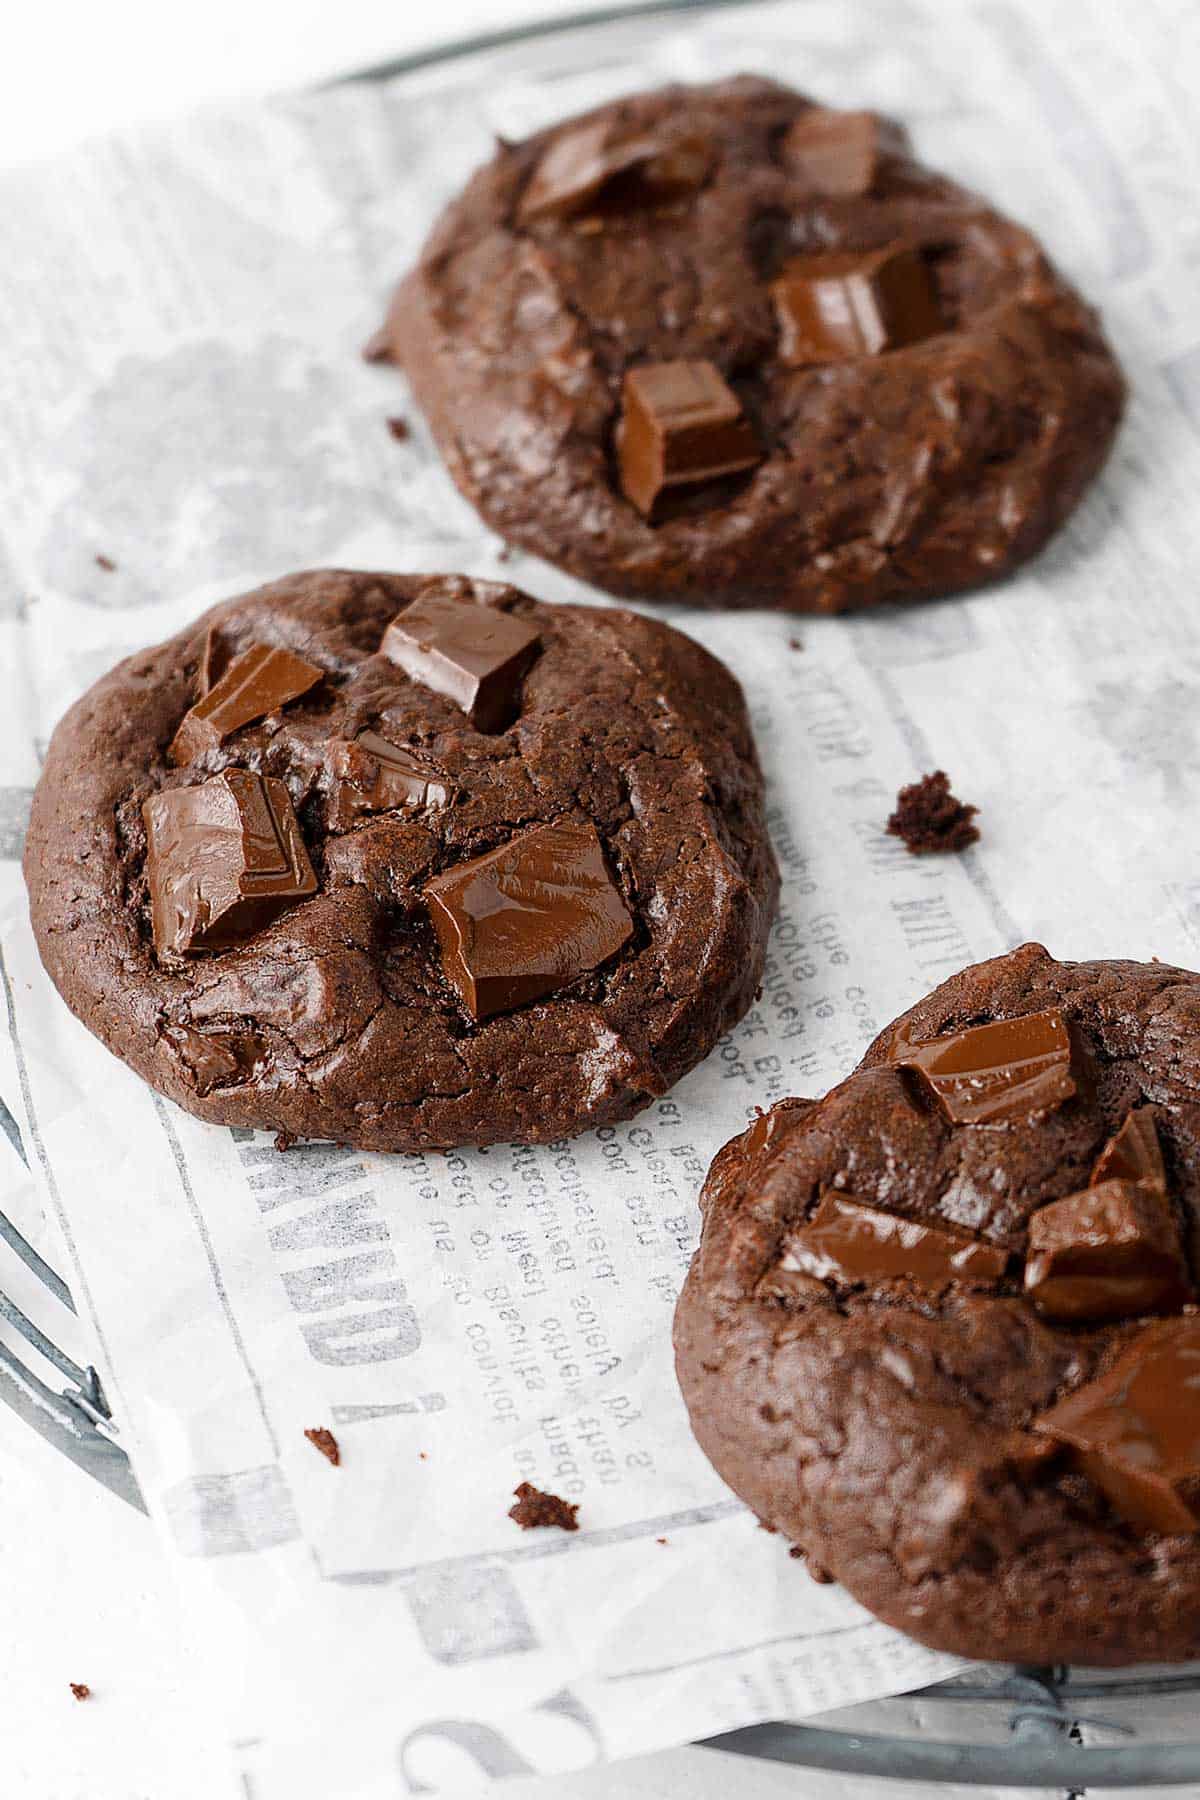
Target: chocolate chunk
<point>1135,1431</point>
<point>535,1507</point>
<point>839,153</point>
<point>1110,1252</point>
<point>211,1060</point>
<point>260,681</point>
<point>930,819</point>
<point>592,165</point>
<point>322,1439</point>
<point>841,304</point>
<point>527,918</point>
<point>681,424</point>
<point>476,655</point>
<point>223,860</point>
<point>1133,1154</point>
<point>374,775</point>
<point>991,1074</point>
<point>849,1242</point>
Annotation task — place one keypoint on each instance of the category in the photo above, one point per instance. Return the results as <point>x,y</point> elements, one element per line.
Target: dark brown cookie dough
<point>892,390</point>
<point>941,1328</point>
<point>288,973</point>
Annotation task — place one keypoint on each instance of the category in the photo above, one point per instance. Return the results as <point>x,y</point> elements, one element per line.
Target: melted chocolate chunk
<point>993,1074</point>
<point>1110,1252</point>
<point>681,424</point>
<point>930,819</point>
<point>842,304</point>
<point>373,775</point>
<point>592,166</point>
<point>1133,1154</point>
<point>1135,1431</point>
<point>525,919</point>
<point>260,681</point>
<point>537,1508</point>
<point>223,860</point>
<point>848,1242</point>
<point>839,153</point>
<point>475,655</point>
<point>322,1439</point>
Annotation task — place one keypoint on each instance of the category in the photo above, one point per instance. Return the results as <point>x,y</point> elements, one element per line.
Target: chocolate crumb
<point>795,644</point>
<point>660,1540</point>
<point>106,563</point>
<point>537,1508</point>
<point>81,1690</point>
<point>400,429</point>
<point>424,1455</point>
<point>284,1140</point>
<point>325,1442</point>
<point>929,818</point>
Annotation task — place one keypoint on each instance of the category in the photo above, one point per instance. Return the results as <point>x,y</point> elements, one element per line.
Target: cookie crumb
<point>929,818</point>
<point>284,1140</point>
<point>106,563</point>
<point>423,1455</point>
<point>81,1690</point>
<point>535,1508</point>
<point>795,644</point>
<point>661,1540</point>
<point>400,429</point>
<point>324,1441</point>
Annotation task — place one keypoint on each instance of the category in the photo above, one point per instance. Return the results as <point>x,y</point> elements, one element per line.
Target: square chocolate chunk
<point>839,153</point>
<point>843,304</point>
<point>1109,1252</point>
<point>527,918</point>
<point>849,1242</point>
<point>991,1074</point>
<point>371,774</point>
<point>475,655</point>
<point>681,424</point>
<point>1135,1431</point>
<point>594,163</point>
<point>224,859</point>
<point>260,681</point>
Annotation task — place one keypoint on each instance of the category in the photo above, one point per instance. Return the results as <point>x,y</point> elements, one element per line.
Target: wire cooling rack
<point>1053,1728</point>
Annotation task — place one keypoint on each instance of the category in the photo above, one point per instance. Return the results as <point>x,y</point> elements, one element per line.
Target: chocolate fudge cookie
<point>941,1328</point>
<point>406,861</point>
<point>723,345</point>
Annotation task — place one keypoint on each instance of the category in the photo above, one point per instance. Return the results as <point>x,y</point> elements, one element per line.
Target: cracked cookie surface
<point>677,228</point>
<point>920,1434</point>
<point>336,1018</point>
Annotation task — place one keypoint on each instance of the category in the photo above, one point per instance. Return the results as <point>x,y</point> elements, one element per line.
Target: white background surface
<point>84,1595</point>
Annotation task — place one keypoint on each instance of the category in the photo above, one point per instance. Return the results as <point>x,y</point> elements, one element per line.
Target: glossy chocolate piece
<point>839,153</point>
<point>993,1074</point>
<point>260,681</point>
<point>475,655</point>
<point>843,304</point>
<point>1110,1252</point>
<point>1135,1431</point>
<point>223,860</point>
<point>595,165</point>
<point>373,775</point>
<point>846,1241</point>
<point>1133,1153</point>
<point>525,919</point>
<point>681,424</point>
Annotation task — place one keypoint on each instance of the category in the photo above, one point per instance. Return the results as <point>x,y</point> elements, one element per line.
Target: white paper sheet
<point>181,393</point>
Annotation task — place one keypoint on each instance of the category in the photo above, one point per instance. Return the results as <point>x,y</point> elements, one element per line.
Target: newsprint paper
<point>181,312</point>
